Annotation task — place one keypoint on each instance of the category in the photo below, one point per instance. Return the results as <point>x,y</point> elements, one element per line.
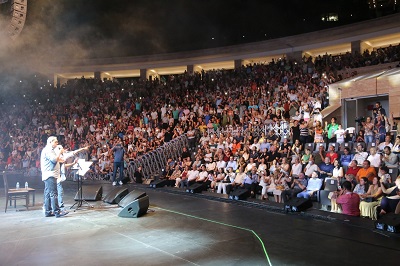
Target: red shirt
<point>332,156</point>
<point>351,171</point>
<point>350,203</point>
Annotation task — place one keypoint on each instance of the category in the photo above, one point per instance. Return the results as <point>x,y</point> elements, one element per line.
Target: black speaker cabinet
<point>116,195</point>
<point>158,183</point>
<point>195,188</point>
<point>298,205</point>
<point>90,193</point>
<point>389,222</point>
<point>240,194</point>
<point>133,195</point>
<point>136,208</point>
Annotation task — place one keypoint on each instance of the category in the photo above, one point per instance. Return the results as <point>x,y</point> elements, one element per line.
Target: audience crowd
<point>229,117</point>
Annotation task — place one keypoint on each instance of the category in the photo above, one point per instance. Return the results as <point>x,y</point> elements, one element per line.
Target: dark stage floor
<point>188,229</point>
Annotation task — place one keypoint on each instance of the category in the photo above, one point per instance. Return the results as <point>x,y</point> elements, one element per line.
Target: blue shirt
<point>118,153</point>
<point>328,168</point>
<point>48,163</point>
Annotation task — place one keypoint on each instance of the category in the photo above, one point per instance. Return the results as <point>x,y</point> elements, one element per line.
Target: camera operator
<point>378,108</point>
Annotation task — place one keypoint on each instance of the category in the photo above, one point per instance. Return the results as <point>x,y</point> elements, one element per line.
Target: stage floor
<point>188,229</point>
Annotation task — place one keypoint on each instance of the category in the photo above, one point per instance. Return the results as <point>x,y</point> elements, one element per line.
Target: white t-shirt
<point>339,135</point>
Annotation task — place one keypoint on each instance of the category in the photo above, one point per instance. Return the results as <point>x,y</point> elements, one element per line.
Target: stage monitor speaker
<point>116,195</point>
<point>135,208</point>
<point>158,183</point>
<point>298,205</point>
<point>90,193</point>
<point>133,195</point>
<point>239,194</point>
<point>389,222</point>
<point>195,188</point>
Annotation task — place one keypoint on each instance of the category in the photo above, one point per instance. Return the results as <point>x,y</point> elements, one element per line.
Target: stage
<point>188,229</point>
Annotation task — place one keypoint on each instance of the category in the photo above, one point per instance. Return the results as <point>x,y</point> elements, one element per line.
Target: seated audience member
<point>384,176</point>
<point>310,167</point>
<point>325,168</point>
<point>175,174</point>
<point>391,199</point>
<point>262,166</point>
<point>314,184</point>
<point>203,175</point>
<point>346,157</point>
<point>371,199</point>
<point>351,179</point>
<point>226,185</point>
<point>232,163</point>
<point>374,157</point>
<point>349,201</point>
<point>250,165</point>
<point>180,181</point>
<point>250,182</point>
<point>337,171</point>
<point>265,182</point>
<point>306,157</point>
<point>389,158</point>
<point>298,185</point>
<point>191,177</point>
<point>353,168</point>
<point>219,178</point>
<point>285,166</point>
<point>297,167</point>
<point>319,156</point>
<point>282,183</point>
<point>360,155</point>
<point>362,187</point>
<point>386,143</point>
<point>366,171</point>
<point>331,154</point>
<point>239,178</point>
<point>396,145</point>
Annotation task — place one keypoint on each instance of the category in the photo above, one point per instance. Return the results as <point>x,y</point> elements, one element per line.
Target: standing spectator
<point>119,153</point>
<point>330,129</point>
<point>368,130</point>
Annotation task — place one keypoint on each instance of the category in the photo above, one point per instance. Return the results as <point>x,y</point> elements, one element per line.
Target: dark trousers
<point>120,166</point>
<point>389,205</point>
<point>290,193</point>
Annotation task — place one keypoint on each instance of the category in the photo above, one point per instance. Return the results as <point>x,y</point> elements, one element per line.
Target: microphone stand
<point>80,199</point>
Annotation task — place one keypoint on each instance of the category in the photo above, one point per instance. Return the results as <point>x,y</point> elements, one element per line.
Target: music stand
<point>82,166</point>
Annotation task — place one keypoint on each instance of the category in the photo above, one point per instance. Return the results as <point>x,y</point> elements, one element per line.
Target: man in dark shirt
<point>273,154</point>
<point>119,153</point>
<point>326,168</point>
<point>295,130</point>
<point>298,185</point>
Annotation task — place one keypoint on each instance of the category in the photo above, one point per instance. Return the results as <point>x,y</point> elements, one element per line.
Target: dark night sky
<point>134,27</point>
